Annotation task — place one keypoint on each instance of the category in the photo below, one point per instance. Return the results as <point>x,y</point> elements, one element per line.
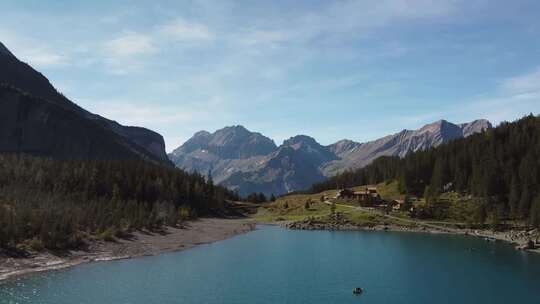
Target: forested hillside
<point>500,166</point>
<point>57,204</point>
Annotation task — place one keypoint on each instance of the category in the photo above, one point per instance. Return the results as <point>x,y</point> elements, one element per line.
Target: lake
<point>273,265</point>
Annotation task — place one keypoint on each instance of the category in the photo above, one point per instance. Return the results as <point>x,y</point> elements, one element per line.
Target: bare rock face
<point>14,73</point>
<point>234,142</point>
<point>355,155</point>
<point>476,126</point>
<point>35,126</point>
<point>249,162</point>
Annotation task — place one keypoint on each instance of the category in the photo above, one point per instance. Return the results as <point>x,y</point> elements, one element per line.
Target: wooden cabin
<point>398,204</point>
<point>345,194</point>
<point>368,196</point>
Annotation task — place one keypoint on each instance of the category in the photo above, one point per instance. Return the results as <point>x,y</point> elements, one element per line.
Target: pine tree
<point>514,196</point>
<point>535,212</point>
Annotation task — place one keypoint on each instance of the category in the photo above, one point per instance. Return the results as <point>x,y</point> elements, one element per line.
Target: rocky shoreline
<point>202,231</point>
<point>528,240</point>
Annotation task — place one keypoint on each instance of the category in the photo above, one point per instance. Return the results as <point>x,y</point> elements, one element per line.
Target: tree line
<point>500,166</point>
<point>56,204</point>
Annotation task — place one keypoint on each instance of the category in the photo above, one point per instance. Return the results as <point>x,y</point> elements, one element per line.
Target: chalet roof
<point>361,192</point>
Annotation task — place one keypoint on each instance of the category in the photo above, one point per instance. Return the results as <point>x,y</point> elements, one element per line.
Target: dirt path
<point>429,224</point>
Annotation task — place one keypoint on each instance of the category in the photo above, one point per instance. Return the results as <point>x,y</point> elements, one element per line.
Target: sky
<point>329,69</point>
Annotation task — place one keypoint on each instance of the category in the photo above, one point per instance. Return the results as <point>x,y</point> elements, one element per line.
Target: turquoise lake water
<point>273,265</point>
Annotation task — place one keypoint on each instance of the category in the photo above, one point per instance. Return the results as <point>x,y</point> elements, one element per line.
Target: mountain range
<point>36,119</point>
<point>251,162</point>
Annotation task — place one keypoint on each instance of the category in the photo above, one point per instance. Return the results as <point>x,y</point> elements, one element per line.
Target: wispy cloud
<point>129,51</point>
<point>34,52</point>
<point>43,58</point>
<point>164,119</point>
<point>180,30</point>
<point>130,44</point>
<point>514,97</point>
<point>526,83</point>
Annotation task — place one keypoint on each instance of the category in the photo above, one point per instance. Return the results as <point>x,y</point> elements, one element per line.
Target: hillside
<point>500,168</point>
<point>60,205</point>
<point>29,113</point>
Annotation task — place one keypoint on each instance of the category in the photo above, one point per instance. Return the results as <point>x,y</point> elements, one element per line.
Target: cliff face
<point>38,127</point>
<point>141,141</point>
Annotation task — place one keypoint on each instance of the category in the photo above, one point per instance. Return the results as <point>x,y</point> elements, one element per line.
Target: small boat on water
<point>357,291</point>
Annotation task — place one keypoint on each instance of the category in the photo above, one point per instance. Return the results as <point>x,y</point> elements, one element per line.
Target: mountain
<point>354,155</point>
<point>250,162</point>
<point>294,165</point>
<point>29,101</point>
<point>228,143</point>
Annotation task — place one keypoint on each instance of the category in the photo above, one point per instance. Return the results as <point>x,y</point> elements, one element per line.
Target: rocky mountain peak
<point>233,142</point>
<point>436,126</point>
<point>343,145</point>
<point>302,140</point>
<point>201,134</point>
<point>311,150</point>
<point>475,126</point>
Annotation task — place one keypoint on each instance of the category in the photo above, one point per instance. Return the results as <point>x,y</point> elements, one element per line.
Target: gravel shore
<point>202,231</point>
<point>518,238</point>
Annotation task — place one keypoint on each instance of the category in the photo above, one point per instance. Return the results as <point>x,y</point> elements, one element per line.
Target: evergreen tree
<point>54,202</point>
<point>535,212</point>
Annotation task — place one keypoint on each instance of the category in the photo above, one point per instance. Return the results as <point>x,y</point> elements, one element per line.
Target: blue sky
<point>328,69</point>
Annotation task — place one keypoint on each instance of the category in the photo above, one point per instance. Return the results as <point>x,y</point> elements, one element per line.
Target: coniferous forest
<point>55,204</point>
<point>500,167</point>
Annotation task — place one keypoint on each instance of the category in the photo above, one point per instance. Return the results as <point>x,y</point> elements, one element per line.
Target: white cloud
<point>183,31</point>
<point>130,44</point>
<point>35,53</point>
<point>526,83</point>
<point>127,53</point>
<point>165,119</point>
<point>345,19</point>
<point>42,58</point>
<point>138,114</point>
<point>256,37</point>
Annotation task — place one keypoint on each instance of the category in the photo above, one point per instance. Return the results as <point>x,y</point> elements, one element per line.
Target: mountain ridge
<point>301,161</point>
<point>138,141</point>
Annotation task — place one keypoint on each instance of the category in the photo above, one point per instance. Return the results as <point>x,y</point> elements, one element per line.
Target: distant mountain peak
<point>475,126</point>
<point>436,126</point>
<point>230,142</point>
<point>202,133</point>
<point>301,140</point>
<point>343,145</point>
<point>237,127</point>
